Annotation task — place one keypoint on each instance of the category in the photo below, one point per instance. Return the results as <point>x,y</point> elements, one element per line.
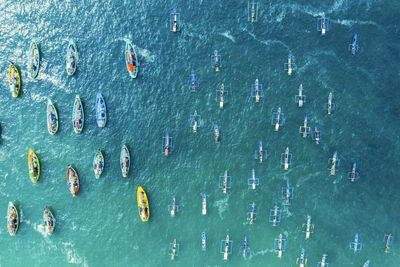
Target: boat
<point>52,117</point>
<point>366,264</point>
<point>216,133</point>
<point>98,164</point>
<point>49,220</point>
<point>33,59</point>
<point>203,241</point>
<point>14,80</point>
<point>143,204</point>
<point>204,205</point>
<point>174,18</point>
<point>78,115</point>
<point>71,58</point>
<point>12,219</point>
<point>73,181</point>
<point>131,59</point>
<point>34,166</point>
<point>101,113</point>
<point>124,160</point>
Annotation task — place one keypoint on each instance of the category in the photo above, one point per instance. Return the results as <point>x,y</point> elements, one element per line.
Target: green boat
<point>49,220</point>
<point>78,115</point>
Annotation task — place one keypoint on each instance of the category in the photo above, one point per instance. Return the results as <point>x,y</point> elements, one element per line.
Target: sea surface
<point>101,226</point>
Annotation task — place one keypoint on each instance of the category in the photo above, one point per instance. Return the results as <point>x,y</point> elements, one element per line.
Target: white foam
<point>349,22</point>
<point>228,35</point>
<point>70,252</point>
<point>222,205</point>
<point>146,54</point>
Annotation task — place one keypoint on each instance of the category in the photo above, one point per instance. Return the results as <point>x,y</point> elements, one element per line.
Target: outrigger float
<point>196,121</point>
<point>300,99</point>
<point>388,241</point>
<point>216,134</point>
<point>225,182</point>
<point>175,19</point>
<point>277,119</point>
<point>259,154</point>
<point>287,193</point>
<point>356,246</point>
<point>275,216</point>
<point>334,161</point>
<point>226,247</point>
<point>366,264</point>
<point>204,205</point>
<point>353,47</point>
<point>252,11</point>
<point>173,208</point>
<point>279,245</point>
<point>167,144</point>
<point>330,105</point>
<point>323,24</point>
<point>290,65</point>
<point>308,227</point>
<point>245,248</point>
<point>216,61</point>
<point>305,129</point>
<point>286,159</point>
<point>251,215</point>
<point>302,260</point>
<point>203,241</point>
<point>253,181</point>
<point>257,90</point>
<point>316,135</point>
<point>353,175</point>
<point>173,249</point>
<point>323,262</point>
<point>220,94</point>
<point>194,83</point>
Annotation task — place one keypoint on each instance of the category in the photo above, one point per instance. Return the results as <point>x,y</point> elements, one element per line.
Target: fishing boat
<point>14,80</point>
<point>124,160</point>
<point>216,134</point>
<point>366,264</point>
<point>204,205</point>
<point>52,117</point>
<point>131,59</point>
<point>98,164</point>
<point>143,204</point>
<point>33,59</point>
<point>71,57</point>
<point>72,180</point>
<point>34,166</point>
<point>12,219</point>
<point>49,220</point>
<point>78,115</point>
<point>167,144</point>
<point>101,114</point>
<point>203,241</point>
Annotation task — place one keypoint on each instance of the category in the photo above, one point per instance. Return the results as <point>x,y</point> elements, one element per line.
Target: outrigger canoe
<point>73,181</point>
<point>14,80</point>
<point>34,166</point>
<point>143,204</point>
<point>52,118</point>
<point>98,164</point>
<point>12,219</point>
<point>33,59</point>
<point>78,115</point>
<point>49,220</point>
<point>124,160</point>
<point>71,58</point>
<point>131,59</point>
<point>101,114</point>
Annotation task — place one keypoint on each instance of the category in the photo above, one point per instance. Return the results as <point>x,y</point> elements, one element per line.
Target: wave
<point>228,35</point>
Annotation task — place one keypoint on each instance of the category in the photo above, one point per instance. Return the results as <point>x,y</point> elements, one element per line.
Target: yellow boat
<point>14,80</point>
<point>34,166</point>
<point>143,204</point>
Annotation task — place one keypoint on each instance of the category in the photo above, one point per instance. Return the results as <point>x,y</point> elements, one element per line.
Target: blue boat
<point>194,83</point>
<point>216,134</point>
<point>203,241</point>
<point>101,114</point>
<point>71,58</point>
<point>316,135</point>
<point>323,24</point>
<point>245,248</point>
<point>353,47</point>
<point>131,59</point>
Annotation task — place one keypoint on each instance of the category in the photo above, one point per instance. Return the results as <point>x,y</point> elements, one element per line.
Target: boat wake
<point>228,35</point>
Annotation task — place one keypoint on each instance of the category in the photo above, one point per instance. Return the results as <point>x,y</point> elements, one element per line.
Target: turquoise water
<point>101,226</point>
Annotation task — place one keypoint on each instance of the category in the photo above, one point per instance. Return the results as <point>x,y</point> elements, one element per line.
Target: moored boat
<point>12,219</point>
<point>52,117</point>
<point>34,166</point>
<point>33,59</point>
<point>71,58</point>
<point>14,80</point>
<point>78,115</point>
<point>101,114</point>
<point>73,181</point>
<point>131,59</point>
<point>143,204</point>
<point>125,159</point>
<point>98,164</point>
<point>49,220</point>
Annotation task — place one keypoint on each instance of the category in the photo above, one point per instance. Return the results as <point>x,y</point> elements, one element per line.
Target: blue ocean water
<point>101,226</point>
